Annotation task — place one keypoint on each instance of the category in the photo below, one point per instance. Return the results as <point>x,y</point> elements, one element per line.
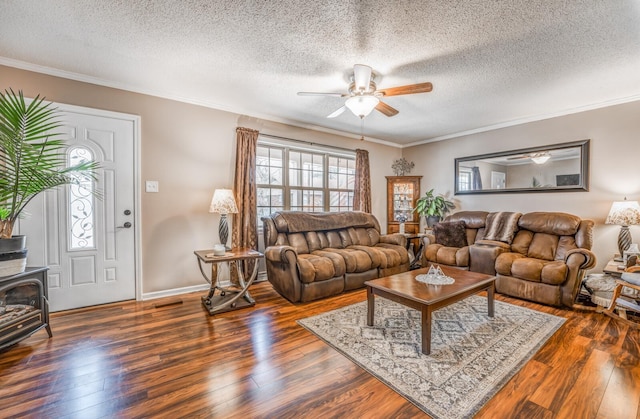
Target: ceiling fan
<point>538,158</point>
<point>364,96</point>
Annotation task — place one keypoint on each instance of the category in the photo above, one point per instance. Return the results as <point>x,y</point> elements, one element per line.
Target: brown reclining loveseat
<point>543,259</point>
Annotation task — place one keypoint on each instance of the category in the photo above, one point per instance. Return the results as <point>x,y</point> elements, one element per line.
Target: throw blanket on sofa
<point>501,226</point>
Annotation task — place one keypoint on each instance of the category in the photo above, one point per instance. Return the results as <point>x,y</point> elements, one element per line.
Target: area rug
<point>472,355</point>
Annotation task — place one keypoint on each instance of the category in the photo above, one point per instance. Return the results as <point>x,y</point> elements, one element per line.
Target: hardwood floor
<point>138,360</point>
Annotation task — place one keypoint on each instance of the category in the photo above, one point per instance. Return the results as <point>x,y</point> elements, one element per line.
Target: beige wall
<point>190,151</point>
<point>614,169</point>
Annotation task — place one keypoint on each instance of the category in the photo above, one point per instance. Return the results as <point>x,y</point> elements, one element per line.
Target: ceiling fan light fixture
<point>362,105</point>
<point>541,158</point>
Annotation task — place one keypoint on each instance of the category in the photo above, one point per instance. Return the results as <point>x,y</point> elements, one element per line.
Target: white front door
<point>89,242</point>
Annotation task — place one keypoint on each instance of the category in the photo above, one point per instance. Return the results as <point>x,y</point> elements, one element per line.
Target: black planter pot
<point>13,255</point>
<point>432,220</point>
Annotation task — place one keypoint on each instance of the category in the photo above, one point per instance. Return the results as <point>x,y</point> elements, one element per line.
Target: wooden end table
<point>404,289</point>
<point>230,297</point>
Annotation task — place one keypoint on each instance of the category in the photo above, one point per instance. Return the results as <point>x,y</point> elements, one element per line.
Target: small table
<point>231,297</point>
<point>405,289</point>
<point>613,268</point>
<point>415,251</point>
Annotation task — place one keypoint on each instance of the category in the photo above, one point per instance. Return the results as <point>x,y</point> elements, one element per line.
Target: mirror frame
<point>583,186</point>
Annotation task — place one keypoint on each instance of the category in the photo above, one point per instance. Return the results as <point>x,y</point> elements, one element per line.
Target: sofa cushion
<point>376,255</point>
<point>312,268</point>
<point>299,242</point>
<point>543,246</point>
<point>505,260</point>
<point>522,241</point>
<point>565,244</point>
<point>354,260</point>
<point>395,255</point>
<point>450,233</point>
<point>334,240</point>
<point>558,223</point>
<point>527,268</point>
<point>501,226</point>
<point>554,273</point>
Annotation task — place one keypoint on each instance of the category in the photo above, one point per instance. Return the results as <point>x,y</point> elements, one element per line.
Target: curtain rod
<point>277,137</point>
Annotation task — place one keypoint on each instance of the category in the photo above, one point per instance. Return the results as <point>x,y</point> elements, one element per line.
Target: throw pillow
<point>451,233</point>
<point>501,226</point>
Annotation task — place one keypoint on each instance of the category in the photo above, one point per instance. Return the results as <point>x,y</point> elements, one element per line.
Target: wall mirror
<point>552,168</point>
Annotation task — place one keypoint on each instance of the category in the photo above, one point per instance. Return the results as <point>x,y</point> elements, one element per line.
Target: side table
<point>415,250</point>
<point>230,297</point>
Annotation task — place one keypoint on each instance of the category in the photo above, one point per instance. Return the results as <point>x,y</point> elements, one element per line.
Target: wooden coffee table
<point>404,289</point>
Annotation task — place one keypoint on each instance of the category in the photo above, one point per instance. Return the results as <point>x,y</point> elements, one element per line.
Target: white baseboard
<point>175,291</point>
<point>262,276</point>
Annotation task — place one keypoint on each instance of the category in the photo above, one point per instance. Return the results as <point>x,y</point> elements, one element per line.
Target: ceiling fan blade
<point>362,77</point>
<point>407,90</point>
<point>386,109</point>
<point>322,94</point>
<point>337,112</point>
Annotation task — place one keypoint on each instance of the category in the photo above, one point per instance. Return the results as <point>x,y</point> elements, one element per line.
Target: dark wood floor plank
<point>515,394</point>
<point>134,359</point>
<point>622,396</point>
<point>553,391</point>
<point>585,396</point>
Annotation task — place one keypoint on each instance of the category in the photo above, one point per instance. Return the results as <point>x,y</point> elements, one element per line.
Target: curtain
<point>362,187</point>
<point>476,180</point>
<point>244,230</point>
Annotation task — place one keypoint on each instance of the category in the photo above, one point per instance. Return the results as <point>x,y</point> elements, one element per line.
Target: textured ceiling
<point>491,63</point>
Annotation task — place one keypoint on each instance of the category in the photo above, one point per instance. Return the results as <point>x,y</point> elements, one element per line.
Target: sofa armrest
<point>282,271</point>
<point>428,239</point>
<point>483,255</point>
<point>281,254</point>
<point>396,238</point>
<point>577,260</point>
<point>580,258</point>
<point>494,243</point>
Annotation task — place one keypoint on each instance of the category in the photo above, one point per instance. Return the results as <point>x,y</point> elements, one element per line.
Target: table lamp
<point>624,213</point>
<point>223,203</point>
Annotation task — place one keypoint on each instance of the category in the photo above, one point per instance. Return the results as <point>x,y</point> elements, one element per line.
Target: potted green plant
<point>433,207</point>
<point>32,160</point>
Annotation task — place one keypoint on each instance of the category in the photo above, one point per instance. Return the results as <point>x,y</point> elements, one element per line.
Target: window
<point>81,203</point>
<point>464,179</point>
<point>299,179</point>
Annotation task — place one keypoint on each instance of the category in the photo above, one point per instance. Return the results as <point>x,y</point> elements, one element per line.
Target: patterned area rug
<point>472,355</point>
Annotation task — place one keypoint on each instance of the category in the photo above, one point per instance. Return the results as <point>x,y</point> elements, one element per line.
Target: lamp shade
<point>624,213</point>
<point>362,105</point>
<point>223,202</point>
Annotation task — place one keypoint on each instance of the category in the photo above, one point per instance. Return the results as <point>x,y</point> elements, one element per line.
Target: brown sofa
<point>544,262</point>
<point>314,255</point>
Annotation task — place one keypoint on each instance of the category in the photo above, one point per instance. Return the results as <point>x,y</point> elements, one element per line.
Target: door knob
<point>126,225</point>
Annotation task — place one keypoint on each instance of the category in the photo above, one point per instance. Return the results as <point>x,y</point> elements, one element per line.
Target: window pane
<point>294,160</point>
<point>81,204</point>
<point>276,157</point>
<point>275,174</point>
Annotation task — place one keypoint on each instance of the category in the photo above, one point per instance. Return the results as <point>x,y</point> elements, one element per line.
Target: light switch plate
<point>152,186</point>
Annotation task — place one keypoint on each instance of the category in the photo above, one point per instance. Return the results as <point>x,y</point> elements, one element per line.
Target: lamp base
<point>223,231</point>
<point>624,239</point>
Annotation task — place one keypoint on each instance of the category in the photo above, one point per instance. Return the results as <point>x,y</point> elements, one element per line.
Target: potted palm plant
<point>433,207</point>
<point>32,160</point>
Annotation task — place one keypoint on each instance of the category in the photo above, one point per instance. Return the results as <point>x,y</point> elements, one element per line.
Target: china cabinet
<point>402,193</point>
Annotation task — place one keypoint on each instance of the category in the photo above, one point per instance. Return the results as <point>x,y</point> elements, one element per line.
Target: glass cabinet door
<point>402,193</point>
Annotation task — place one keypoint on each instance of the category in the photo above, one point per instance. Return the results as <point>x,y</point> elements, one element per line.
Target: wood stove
<point>24,308</point>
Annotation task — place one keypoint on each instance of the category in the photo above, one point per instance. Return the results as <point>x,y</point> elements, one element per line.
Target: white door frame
<point>137,201</point>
